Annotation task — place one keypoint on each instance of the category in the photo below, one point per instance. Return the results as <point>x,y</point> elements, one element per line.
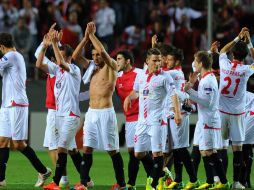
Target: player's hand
<point>52,27</point>
<point>60,35</point>
<point>247,38</point>
<point>215,47</point>
<point>187,86</point>
<point>241,34</point>
<point>91,29</point>
<point>46,40</point>
<point>193,77</point>
<point>154,40</point>
<point>127,103</point>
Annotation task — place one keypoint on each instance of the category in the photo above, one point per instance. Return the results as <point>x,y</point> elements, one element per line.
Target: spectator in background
<point>133,35</point>
<point>105,21</point>
<point>8,16</point>
<point>31,14</point>
<point>22,39</point>
<point>181,10</point>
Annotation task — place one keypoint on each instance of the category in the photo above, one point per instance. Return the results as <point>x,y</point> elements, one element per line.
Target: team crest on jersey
<point>145,92</point>
<point>209,89</point>
<point>4,58</point>
<point>58,85</point>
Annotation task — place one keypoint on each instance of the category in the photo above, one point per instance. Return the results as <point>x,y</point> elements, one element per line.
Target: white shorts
<point>67,127</point>
<point>100,129</point>
<point>233,127</point>
<point>180,134</point>
<point>249,132</point>
<point>50,138</point>
<point>14,122</point>
<point>210,138</point>
<point>197,134</point>
<point>149,137</point>
<point>130,128</point>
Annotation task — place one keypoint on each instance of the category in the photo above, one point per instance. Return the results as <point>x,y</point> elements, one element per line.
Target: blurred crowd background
<point>125,24</point>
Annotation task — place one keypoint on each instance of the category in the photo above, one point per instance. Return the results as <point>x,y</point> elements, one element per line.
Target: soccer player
<point>180,133</point>
<point>66,91</point>
<point>51,132</point>
<point>100,127</point>
<point>124,85</point>
<point>234,76</point>
<point>152,88</point>
<point>207,98</point>
<point>14,109</point>
<point>248,142</point>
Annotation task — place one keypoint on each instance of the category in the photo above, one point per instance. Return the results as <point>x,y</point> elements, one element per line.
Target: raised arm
<point>231,44</point>
<point>249,44</point>
<point>99,47</point>
<point>41,54</point>
<point>77,54</point>
<point>59,57</point>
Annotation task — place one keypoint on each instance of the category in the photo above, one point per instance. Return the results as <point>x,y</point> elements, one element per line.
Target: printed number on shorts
<point>225,90</point>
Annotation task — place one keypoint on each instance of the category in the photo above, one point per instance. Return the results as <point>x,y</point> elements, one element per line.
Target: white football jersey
<point>249,101</point>
<point>13,71</point>
<point>234,76</point>
<point>66,89</point>
<point>153,91</point>
<point>207,99</point>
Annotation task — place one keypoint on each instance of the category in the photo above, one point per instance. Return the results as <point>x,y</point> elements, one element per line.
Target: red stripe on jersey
<point>13,103</point>
<point>207,73</point>
<point>232,113</point>
<point>207,127</point>
<point>251,112</point>
<point>73,114</point>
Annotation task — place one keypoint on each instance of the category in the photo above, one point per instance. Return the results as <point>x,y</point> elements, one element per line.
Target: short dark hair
<point>178,54</point>
<point>153,51</point>
<point>165,49</point>
<point>127,55</point>
<point>205,58</point>
<point>6,40</point>
<point>50,53</point>
<point>215,57</point>
<point>68,50</point>
<point>240,51</point>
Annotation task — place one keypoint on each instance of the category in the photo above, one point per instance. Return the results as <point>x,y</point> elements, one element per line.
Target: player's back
<point>234,76</point>
<point>14,79</point>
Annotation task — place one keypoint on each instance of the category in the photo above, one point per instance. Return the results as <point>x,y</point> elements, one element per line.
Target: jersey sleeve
<point>37,52</point>
<point>52,68</point>
<point>223,60</point>
<point>250,70</point>
<point>169,85</point>
<point>74,70</point>
<point>4,63</point>
<point>136,82</point>
<point>207,98</point>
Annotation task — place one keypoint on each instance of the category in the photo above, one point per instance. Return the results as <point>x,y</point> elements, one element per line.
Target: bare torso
<point>102,86</point>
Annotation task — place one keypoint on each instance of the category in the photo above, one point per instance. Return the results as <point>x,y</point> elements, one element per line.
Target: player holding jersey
<point>124,85</point>
<point>234,76</point>
<point>66,91</point>
<point>14,109</point>
<point>207,98</point>
<point>152,88</point>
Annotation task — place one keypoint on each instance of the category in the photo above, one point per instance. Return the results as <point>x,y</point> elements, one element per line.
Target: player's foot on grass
<point>51,186</point>
<point>42,178</point>
<point>175,185</point>
<point>64,183</point>
<point>79,186</point>
<point>90,184</point>
<point>205,186</point>
<point>221,186</point>
<point>237,185</point>
<point>117,187</point>
<point>191,185</point>
<point>130,187</point>
<point>149,181</point>
<point>2,183</point>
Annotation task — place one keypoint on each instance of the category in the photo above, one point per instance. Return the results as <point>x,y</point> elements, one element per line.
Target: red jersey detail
<point>13,103</point>
<point>235,63</point>
<point>207,127</point>
<point>232,113</point>
<point>251,112</point>
<point>124,85</point>
<point>207,73</point>
<point>50,97</point>
<point>73,114</point>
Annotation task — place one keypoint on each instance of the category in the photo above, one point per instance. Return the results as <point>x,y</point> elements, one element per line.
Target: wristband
<point>237,39</point>
<point>249,45</point>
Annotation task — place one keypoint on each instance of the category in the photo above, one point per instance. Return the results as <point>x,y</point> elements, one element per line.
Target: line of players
<point>153,99</point>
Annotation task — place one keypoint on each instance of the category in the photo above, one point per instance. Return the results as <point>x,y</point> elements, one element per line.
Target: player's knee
<point>62,150</point>
<point>206,153</point>
<point>19,145</point>
<point>4,142</point>
<point>112,153</point>
<point>87,150</point>
<point>73,151</point>
<point>236,146</point>
<point>140,155</point>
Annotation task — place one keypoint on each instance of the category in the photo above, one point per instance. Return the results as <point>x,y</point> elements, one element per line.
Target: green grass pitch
<point>21,175</point>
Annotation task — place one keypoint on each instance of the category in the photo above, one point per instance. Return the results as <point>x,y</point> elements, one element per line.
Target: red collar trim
<point>129,70</point>
<point>150,75</point>
<point>165,68</point>
<point>236,62</point>
<point>207,73</point>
